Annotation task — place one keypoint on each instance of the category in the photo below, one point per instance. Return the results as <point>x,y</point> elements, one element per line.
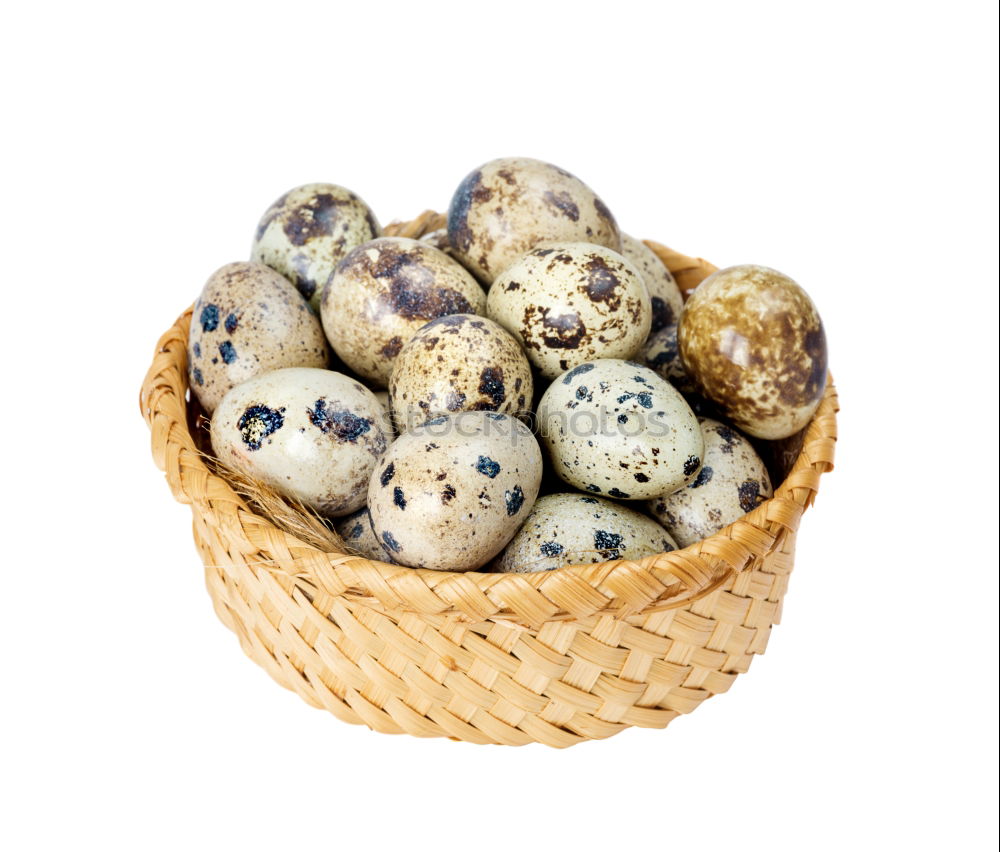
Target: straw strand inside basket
<point>286,514</point>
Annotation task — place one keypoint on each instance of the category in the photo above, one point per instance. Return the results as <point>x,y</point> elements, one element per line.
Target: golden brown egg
<point>753,342</point>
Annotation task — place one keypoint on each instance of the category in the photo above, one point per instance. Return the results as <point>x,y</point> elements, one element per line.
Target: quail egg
<point>450,493</point>
<point>438,239</point>
<point>248,320</point>
<point>664,294</point>
<point>575,529</point>
<point>383,292</point>
<point>753,342</point>
<point>460,362</point>
<point>615,428</point>
<point>359,537</point>
<point>507,207</point>
<point>732,481</point>
<point>780,456</point>
<point>313,435</point>
<point>308,230</point>
<point>383,399</point>
<point>660,354</point>
<point>567,303</point>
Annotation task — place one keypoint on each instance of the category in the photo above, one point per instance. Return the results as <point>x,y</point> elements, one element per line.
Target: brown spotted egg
<point>383,292</point>
<point>575,529</point>
<point>359,537</point>
<point>664,293</point>
<point>617,429</point>
<point>567,303</point>
<point>306,232</point>
<point>753,342</point>
<point>248,320</point>
<point>507,207</point>
<point>732,481</point>
<point>450,493</point>
<point>461,362</point>
<point>313,435</point>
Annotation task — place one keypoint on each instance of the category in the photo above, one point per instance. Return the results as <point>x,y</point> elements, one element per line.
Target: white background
<point>851,145</point>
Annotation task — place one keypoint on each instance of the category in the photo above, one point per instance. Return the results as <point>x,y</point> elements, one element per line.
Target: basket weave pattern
<point>559,657</point>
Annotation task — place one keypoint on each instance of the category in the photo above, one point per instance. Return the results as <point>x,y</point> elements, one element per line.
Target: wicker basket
<point>560,657</point>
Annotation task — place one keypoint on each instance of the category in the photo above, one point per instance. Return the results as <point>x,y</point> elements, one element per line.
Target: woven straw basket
<point>575,654</point>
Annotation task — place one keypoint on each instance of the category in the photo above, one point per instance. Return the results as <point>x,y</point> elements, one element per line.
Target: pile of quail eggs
<point>422,394</point>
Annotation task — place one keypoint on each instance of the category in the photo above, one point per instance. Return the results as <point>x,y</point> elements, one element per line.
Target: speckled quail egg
<point>383,399</point>
<point>509,206</point>
<point>248,320</point>
<point>383,292</point>
<point>574,529</point>
<point>438,239</point>
<point>752,341</point>
<point>731,482</point>
<point>567,303</point>
<point>615,428</point>
<point>660,353</point>
<point>460,362</point>
<point>359,537</point>
<point>780,456</point>
<point>306,232</point>
<point>663,291</point>
<point>450,493</point>
<point>313,435</point>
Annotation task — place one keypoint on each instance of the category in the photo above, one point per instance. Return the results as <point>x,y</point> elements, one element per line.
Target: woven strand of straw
<point>558,658</point>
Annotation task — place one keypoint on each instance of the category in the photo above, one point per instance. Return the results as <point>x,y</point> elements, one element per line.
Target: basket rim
<point>619,587</point>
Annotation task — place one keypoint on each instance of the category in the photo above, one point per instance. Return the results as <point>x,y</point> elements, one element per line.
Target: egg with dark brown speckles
<point>313,435</point>
<point>575,529</point>
<point>753,342</point>
<point>460,362</point>
<point>248,320</point>
<point>663,291</point>
<point>617,429</point>
<point>732,481</point>
<point>450,493</point>
<point>307,231</point>
<point>383,292</point>
<point>507,207</point>
<point>568,303</point>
